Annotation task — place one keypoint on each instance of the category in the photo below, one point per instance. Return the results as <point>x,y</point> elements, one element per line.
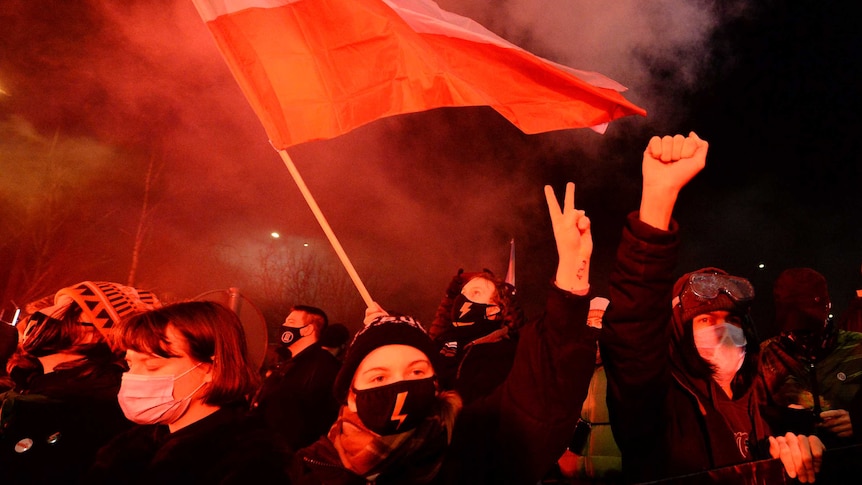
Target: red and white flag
<point>315,69</point>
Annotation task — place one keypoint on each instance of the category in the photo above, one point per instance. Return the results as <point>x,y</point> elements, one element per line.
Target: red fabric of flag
<point>315,69</point>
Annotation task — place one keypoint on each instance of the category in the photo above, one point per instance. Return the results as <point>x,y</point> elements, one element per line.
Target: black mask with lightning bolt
<point>471,320</point>
<point>397,407</point>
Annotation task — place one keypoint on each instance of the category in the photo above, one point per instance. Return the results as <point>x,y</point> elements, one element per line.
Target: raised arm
<point>635,336</point>
<point>669,163</point>
<point>574,241</point>
<point>541,399</point>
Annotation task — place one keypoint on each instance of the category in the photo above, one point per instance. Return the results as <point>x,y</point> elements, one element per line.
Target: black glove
<point>454,288</point>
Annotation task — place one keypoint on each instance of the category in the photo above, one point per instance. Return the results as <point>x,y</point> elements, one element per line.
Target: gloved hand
<point>454,288</point>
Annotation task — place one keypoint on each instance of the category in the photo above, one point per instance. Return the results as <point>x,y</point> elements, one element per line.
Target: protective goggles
<point>707,286</point>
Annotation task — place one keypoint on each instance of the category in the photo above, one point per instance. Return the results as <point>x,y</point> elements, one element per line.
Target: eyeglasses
<point>708,286</point>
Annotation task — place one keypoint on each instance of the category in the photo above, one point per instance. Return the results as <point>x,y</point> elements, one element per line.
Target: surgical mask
<point>723,346</point>
<point>150,399</point>
<point>291,334</point>
<point>397,407</point>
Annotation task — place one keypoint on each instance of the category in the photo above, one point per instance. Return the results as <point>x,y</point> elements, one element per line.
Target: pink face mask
<point>150,399</point>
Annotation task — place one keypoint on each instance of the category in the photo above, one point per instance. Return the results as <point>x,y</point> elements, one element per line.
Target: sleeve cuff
<point>645,232</point>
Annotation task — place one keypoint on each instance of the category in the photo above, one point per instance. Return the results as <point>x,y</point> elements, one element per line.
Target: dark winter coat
<point>515,434</point>
<point>664,419</point>
<point>478,368</point>
<point>53,424</point>
<point>786,377</point>
<point>222,448</point>
<point>296,399</point>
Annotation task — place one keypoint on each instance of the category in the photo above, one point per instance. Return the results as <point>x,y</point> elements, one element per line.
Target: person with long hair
<point>475,330</point>
<point>187,388</point>
<point>66,375</point>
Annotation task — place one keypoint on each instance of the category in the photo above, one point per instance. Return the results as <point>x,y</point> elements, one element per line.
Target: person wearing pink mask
<point>187,387</point>
<point>681,359</point>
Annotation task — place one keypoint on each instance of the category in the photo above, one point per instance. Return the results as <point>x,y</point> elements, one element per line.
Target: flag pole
<point>309,199</point>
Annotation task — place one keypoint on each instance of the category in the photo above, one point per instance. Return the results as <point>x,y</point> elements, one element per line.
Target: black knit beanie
<point>387,330</point>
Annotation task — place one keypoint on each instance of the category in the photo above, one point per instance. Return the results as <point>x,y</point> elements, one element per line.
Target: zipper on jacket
<point>815,390</point>
<point>312,461</point>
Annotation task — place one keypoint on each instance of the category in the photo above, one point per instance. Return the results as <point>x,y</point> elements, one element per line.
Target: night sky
<point>96,95</point>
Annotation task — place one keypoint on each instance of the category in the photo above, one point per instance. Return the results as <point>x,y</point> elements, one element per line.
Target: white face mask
<point>723,346</point>
<point>150,400</point>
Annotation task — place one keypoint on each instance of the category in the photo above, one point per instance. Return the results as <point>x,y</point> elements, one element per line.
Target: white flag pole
<point>309,199</point>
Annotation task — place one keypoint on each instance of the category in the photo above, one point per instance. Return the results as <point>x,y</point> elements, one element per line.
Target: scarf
<point>359,448</point>
<point>417,453</point>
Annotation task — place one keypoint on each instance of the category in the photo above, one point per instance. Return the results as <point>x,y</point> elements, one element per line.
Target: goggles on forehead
<point>707,286</point>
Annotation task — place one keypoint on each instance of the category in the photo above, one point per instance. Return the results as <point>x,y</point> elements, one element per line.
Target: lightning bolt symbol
<point>399,404</point>
<point>465,308</point>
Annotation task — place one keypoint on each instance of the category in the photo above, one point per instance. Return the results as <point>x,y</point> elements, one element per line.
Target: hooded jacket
<point>663,403</point>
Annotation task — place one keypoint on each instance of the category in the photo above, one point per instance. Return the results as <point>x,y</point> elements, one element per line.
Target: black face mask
<point>466,312</point>
<point>291,335</point>
<point>471,320</point>
<point>812,345</point>
<point>398,407</point>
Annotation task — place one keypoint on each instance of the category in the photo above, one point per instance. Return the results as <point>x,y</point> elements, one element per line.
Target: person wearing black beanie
<point>397,425</point>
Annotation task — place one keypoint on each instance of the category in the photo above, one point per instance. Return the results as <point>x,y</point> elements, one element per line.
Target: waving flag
<point>315,69</point>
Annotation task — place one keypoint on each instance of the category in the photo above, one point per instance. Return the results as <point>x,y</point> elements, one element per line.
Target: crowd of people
<point>661,379</point>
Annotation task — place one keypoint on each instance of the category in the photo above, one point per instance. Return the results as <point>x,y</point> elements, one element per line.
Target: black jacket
<point>222,448</point>
<point>477,369</point>
<point>53,424</point>
<point>296,399</point>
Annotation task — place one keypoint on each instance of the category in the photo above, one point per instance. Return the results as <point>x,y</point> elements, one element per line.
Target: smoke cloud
<point>96,93</point>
